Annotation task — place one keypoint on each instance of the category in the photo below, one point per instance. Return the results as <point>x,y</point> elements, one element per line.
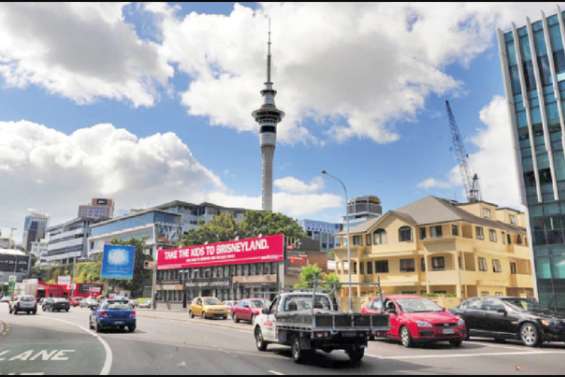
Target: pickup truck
<point>308,321</point>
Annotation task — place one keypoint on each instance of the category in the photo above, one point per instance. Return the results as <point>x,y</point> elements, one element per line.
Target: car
<point>503,318</point>
<point>418,320</point>
<point>89,302</point>
<point>5,299</point>
<point>247,310</point>
<point>208,307</point>
<point>112,314</point>
<point>56,304</point>
<point>23,303</point>
<point>75,301</point>
<point>145,304</point>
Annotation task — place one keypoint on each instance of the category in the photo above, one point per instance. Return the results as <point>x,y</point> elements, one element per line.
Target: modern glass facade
<point>324,232</point>
<point>35,226</point>
<point>533,66</point>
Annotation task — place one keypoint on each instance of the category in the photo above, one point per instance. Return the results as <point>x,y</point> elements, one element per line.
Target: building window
<point>509,239</point>
<point>529,179</point>
<point>486,213</point>
<point>483,267</point>
<point>354,267</point>
<point>407,265</point>
<point>454,230</point>
<point>436,231</point>
<point>438,263</point>
<point>513,220</point>
<point>518,239</point>
<point>405,234</point>
<point>357,240</point>
<point>480,233</point>
<point>368,240</point>
<point>513,268</point>
<point>503,237</point>
<point>379,237</point>
<point>362,268</point>
<point>381,266</point>
<point>492,235</point>
<point>545,176</point>
<point>496,266</point>
<point>423,264</point>
<point>422,233</point>
<point>369,268</point>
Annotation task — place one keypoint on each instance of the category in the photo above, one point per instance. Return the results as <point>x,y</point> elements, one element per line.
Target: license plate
<point>119,322</point>
<point>448,331</point>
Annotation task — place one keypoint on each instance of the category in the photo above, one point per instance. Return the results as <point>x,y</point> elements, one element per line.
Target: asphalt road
<point>52,343</point>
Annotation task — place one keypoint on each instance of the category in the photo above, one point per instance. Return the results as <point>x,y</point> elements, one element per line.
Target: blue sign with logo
<point>118,262</point>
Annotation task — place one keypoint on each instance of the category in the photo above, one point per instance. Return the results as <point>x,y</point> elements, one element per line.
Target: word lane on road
<point>41,345</point>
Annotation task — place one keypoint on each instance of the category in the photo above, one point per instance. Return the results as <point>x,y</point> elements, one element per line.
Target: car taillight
<point>103,314</point>
<point>132,315</point>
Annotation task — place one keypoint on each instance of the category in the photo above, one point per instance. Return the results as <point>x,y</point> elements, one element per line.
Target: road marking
<point>276,373</point>
<point>517,347</point>
<point>461,355</point>
<point>108,351</point>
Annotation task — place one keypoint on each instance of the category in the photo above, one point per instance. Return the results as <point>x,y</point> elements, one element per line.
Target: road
<point>51,343</point>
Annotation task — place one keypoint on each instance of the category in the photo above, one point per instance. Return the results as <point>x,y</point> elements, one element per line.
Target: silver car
<point>24,303</point>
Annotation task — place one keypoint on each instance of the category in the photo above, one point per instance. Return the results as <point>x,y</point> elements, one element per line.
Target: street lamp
<point>324,172</point>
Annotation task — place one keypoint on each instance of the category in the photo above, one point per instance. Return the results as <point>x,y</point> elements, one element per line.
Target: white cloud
<point>356,69</point>
<point>46,169</point>
<point>494,160</point>
<point>80,51</point>
<point>296,186</point>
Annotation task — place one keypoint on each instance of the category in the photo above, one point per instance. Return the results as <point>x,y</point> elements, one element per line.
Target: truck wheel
<point>356,354</point>
<point>259,341</point>
<point>298,354</point>
<point>191,314</point>
<point>405,337</point>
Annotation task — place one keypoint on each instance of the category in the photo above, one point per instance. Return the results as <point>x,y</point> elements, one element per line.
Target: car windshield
<point>525,305</point>
<point>117,306</point>
<point>256,303</point>
<point>211,301</point>
<point>418,305</point>
<point>305,303</point>
<point>27,298</point>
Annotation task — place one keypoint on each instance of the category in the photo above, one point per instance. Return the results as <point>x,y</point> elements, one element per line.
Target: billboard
<point>118,262</point>
<point>249,250</point>
<point>64,280</point>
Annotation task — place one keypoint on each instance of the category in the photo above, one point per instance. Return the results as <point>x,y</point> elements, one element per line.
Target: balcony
<point>521,281</point>
<point>447,277</point>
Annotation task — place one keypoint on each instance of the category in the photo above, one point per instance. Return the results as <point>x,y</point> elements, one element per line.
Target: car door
<point>472,314</point>
<point>393,312</point>
<point>246,310</point>
<point>270,322</point>
<point>496,317</point>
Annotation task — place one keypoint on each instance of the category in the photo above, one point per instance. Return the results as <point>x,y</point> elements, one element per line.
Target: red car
<point>247,310</point>
<point>75,301</point>
<point>415,320</point>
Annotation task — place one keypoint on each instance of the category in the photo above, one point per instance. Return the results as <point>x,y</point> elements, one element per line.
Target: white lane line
<point>461,355</point>
<point>108,351</point>
<point>509,347</point>
<point>276,373</point>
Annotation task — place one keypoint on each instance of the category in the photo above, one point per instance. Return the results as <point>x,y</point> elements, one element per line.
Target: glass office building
<point>533,66</point>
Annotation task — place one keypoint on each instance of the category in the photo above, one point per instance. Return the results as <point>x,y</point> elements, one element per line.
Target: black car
<point>56,305</point>
<point>519,318</point>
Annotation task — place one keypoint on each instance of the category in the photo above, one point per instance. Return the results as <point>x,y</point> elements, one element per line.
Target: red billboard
<point>249,250</point>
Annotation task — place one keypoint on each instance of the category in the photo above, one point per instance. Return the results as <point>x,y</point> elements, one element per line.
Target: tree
<point>223,227</point>
<point>311,273</point>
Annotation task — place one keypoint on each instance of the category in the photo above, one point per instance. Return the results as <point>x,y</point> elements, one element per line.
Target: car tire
<point>530,335</point>
<point>131,329</point>
<point>298,354</point>
<point>406,338</point>
<point>235,319</point>
<point>456,343</point>
<point>356,354</point>
<point>259,341</point>
<point>204,315</point>
<point>97,328</point>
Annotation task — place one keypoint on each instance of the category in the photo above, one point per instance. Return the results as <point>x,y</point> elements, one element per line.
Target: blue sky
<point>393,170</point>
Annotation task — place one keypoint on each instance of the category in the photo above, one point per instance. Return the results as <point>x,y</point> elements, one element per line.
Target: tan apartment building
<point>437,246</point>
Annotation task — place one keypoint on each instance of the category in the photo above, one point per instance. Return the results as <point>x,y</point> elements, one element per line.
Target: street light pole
<point>348,240</point>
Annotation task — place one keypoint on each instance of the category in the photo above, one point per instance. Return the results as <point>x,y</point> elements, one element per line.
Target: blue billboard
<point>118,262</point>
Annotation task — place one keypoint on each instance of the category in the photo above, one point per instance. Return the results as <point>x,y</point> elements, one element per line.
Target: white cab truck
<point>307,321</point>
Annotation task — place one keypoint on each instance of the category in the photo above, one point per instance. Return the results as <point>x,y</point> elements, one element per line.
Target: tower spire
<point>269,54</point>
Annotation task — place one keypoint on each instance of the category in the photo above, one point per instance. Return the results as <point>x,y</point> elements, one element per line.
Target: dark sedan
<point>519,318</point>
<point>56,305</point>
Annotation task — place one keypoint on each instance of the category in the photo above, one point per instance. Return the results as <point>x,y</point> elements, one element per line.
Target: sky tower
<point>268,116</point>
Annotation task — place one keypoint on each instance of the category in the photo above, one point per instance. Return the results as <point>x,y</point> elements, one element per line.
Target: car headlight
<point>423,324</point>
<point>548,322</point>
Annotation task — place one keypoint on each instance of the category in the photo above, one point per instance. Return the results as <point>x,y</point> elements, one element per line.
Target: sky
<point>148,103</point>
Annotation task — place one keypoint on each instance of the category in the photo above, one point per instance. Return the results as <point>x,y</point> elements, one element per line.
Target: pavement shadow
<point>515,342</point>
<point>439,346</point>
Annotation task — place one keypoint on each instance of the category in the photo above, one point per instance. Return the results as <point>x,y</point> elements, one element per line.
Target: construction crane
<point>471,184</point>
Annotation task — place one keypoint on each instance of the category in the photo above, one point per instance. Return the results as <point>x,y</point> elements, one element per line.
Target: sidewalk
<point>183,317</point>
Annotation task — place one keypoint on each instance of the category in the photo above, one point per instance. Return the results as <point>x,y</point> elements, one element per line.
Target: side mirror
<point>266,311</point>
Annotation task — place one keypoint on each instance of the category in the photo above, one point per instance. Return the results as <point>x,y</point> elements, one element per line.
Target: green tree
<point>311,273</point>
<point>223,227</point>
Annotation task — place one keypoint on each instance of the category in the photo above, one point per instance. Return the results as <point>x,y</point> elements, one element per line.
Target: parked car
<point>145,304</point>
<point>23,303</point>
<point>417,320</point>
<point>519,318</point>
<point>56,304</point>
<point>89,302</point>
<point>75,301</point>
<point>208,307</point>
<point>113,314</point>
<point>230,304</point>
<point>247,310</point>
<point>5,299</point>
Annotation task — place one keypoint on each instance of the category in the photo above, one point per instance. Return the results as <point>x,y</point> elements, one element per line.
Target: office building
<point>437,246</point>
<point>35,226</point>
<point>533,66</point>
<point>99,209</point>
<point>323,232</point>
<point>363,208</point>
<point>68,241</point>
<point>13,263</point>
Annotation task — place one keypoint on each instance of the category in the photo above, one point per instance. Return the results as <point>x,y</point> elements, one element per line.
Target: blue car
<point>113,314</point>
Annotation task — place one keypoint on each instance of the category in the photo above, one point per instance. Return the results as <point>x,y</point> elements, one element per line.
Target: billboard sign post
<point>118,262</point>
